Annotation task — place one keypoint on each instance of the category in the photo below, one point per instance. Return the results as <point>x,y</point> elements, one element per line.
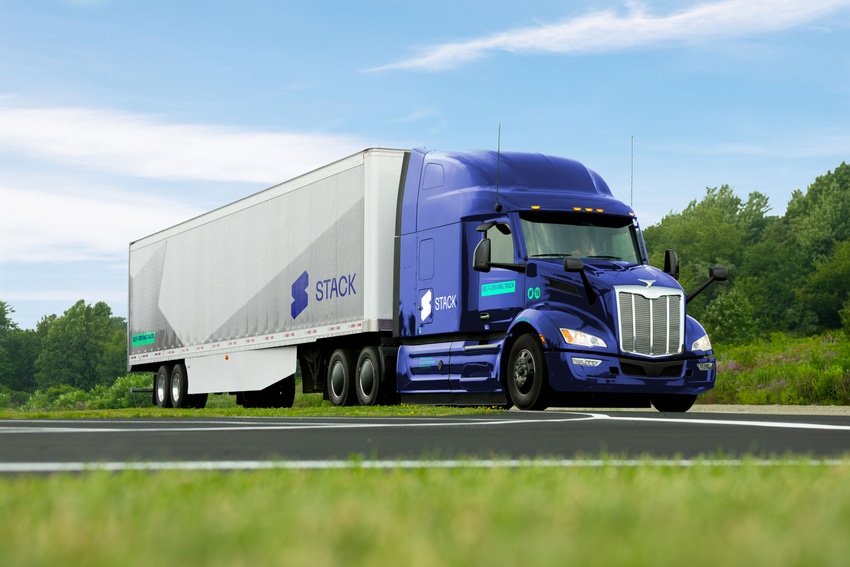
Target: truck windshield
<point>559,235</point>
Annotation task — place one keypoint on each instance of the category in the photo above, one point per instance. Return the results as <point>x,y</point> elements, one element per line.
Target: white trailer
<point>222,302</point>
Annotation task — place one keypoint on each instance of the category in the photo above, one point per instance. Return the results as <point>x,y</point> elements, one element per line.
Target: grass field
<point>710,515</point>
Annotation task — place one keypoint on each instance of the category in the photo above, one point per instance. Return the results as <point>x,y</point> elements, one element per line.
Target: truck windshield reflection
<point>581,236</point>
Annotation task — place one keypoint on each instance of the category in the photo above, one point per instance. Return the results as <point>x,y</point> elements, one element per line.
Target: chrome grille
<point>651,320</point>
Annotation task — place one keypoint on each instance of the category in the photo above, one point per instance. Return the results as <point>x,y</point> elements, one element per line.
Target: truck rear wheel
<point>526,374</point>
<point>341,377</point>
<point>179,386</point>
<point>368,377</point>
<point>161,387</point>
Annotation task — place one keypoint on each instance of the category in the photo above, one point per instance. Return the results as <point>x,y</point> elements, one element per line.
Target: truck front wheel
<point>341,377</point>
<point>526,374</point>
<point>673,402</point>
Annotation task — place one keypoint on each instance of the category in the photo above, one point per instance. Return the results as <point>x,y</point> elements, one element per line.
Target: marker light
<point>535,207</point>
<point>702,343</point>
<point>579,338</point>
<point>588,210</point>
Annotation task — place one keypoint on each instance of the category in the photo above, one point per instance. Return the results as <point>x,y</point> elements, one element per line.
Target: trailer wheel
<point>179,386</point>
<point>526,374</point>
<point>279,395</point>
<point>368,377</point>
<point>673,402</point>
<point>340,377</point>
<point>161,386</point>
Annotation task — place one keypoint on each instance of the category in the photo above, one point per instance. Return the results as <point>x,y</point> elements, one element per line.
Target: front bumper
<point>571,371</point>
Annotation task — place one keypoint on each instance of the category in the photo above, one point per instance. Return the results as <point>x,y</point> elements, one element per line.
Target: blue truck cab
<point>522,281</point>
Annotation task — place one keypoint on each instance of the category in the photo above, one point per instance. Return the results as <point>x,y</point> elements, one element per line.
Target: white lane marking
<point>769,424</point>
<point>41,427</point>
<point>403,464</point>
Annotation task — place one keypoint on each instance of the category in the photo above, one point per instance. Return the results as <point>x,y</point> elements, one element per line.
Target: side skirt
<point>457,399</point>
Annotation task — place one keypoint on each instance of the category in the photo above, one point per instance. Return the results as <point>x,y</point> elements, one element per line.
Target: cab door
<point>495,297</point>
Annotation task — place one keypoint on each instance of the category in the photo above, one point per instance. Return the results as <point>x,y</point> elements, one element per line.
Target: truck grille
<point>651,320</point>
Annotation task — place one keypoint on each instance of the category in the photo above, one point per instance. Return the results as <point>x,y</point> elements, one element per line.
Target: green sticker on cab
<point>498,288</point>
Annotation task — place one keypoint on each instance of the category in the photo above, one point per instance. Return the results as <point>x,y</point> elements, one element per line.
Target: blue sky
<point>120,118</point>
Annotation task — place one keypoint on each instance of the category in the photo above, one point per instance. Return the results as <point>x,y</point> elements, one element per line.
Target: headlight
<point>578,338</point>
<point>702,343</point>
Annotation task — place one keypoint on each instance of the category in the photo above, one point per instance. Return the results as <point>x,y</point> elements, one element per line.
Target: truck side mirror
<point>671,263</point>
<point>481,256</point>
<point>718,273</point>
<point>715,274</point>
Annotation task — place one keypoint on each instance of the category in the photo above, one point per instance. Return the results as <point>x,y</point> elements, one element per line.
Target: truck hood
<point>604,275</point>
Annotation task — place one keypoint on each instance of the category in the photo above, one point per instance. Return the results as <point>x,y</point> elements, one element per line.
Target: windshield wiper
<point>602,257</point>
<point>550,255</point>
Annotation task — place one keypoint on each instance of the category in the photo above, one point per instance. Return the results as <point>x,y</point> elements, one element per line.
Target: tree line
<point>787,274</point>
<point>83,348</point>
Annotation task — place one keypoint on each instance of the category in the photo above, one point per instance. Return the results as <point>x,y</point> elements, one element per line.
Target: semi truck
<point>415,276</point>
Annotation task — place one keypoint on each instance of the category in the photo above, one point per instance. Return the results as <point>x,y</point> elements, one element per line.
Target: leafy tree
<point>819,216</point>
<point>22,347</point>
<point>84,347</point>
<point>825,291</point>
<point>715,231</point>
<point>7,328</point>
<point>772,269</point>
<point>729,319</point>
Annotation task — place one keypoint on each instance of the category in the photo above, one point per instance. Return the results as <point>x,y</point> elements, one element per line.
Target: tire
<point>279,395</point>
<point>677,403</point>
<point>526,374</point>
<point>162,386</point>
<point>179,386</point>
<point>341,378</point>
<point>248,399</point>
<point>368,377</point>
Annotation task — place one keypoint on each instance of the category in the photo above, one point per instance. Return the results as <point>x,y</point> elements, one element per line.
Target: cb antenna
<point>498,165</point>
<point>632,182</point>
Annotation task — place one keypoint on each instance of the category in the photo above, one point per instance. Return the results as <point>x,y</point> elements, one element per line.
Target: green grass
<point>117,401</point>
<point>710,515</point>
<point>784,370</point>
<point>324,410</point>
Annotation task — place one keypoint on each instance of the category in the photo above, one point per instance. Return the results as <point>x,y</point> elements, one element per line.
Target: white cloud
<point>609,31</point>
<point>144,146</point>
<point>79,224</point>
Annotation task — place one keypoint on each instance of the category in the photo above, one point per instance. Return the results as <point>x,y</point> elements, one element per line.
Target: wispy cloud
<point>79,223</point>
<point>146,146</point>
<point>65,209</point>
<point>633,27</point>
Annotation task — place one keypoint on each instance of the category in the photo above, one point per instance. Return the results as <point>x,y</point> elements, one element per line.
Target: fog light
<point>705,366</point>
<point>586,361</point>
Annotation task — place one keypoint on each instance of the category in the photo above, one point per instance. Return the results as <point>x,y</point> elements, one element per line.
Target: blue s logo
<point>300,298</point>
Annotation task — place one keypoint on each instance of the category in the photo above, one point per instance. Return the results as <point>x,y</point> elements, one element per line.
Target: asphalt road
<point>45,445</point>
